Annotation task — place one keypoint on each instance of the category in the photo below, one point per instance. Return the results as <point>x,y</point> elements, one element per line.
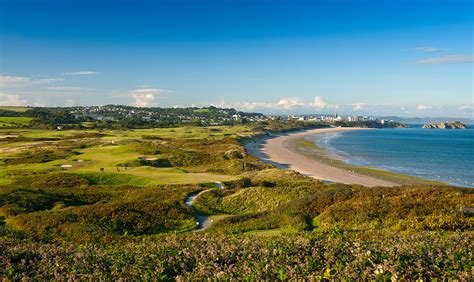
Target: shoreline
<point>279,151</point>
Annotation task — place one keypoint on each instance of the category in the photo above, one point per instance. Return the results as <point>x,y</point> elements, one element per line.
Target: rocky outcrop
<point>445,125</point>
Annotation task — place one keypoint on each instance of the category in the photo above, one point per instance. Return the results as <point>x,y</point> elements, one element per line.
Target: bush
<point>25,201</point>
<point>198,256</point>
<point>129,210</point>
<point>52,180</point>
<point>39,156</point>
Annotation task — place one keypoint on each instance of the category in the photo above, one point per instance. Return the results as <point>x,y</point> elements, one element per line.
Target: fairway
<point>14,109</point>
<point>102,154</point>
<point>10,121</point>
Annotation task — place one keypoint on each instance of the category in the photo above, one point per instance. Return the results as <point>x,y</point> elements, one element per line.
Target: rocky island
<point>445,125</point>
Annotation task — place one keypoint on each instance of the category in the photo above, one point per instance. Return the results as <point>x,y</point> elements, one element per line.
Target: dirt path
<point>203,222</point>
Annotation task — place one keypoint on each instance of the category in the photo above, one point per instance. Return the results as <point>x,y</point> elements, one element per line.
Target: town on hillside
<point>119,116</point>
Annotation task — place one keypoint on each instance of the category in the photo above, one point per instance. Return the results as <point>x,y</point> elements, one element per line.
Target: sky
<point>361,57</point>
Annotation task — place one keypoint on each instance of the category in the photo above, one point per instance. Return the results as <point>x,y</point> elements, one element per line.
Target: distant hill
<point>423,120</point>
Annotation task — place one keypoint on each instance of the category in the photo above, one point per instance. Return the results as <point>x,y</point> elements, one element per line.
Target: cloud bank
<point>82,73</point>
<point>11,100</point>
<point>145,97</point>
<point>319,105</point>
<point>66,88</point>
<point>423,107</point>
<point>7,81</point>
<point>426,49</point>
<point>448,59</point>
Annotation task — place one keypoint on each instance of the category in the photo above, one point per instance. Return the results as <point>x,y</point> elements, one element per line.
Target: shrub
<point>52,180</point>
<point>39,156</point>
<point>25,201</point>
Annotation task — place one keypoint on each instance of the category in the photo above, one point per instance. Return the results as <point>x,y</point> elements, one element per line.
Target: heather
<point>424,255</point>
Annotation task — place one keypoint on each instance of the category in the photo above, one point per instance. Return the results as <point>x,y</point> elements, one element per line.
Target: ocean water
<point>437,154</point>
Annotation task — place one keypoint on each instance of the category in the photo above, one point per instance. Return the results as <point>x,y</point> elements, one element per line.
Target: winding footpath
<point>203,221</point>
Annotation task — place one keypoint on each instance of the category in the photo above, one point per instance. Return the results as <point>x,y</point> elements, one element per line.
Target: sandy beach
<point>278,151</point>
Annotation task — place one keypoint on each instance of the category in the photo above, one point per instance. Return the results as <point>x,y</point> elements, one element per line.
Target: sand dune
<point>278,151</point>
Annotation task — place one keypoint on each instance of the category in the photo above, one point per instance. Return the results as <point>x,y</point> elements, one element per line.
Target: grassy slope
<point>14,109</point>
<point>105,153</point>
<point>10,121</point>
<point>185,132</point>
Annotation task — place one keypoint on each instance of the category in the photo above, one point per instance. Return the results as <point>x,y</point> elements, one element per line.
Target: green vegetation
<point>14,109</point>
<point>14,121</point>
<point>110,204</point>
<point>125,117</point>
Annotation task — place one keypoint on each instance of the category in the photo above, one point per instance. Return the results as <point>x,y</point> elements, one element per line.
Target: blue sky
<point>398,57</point>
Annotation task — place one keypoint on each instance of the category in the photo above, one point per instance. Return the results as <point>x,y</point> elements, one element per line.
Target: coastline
<point>280,150</point>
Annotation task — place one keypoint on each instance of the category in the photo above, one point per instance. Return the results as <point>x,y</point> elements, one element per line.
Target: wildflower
<point>379,270</point>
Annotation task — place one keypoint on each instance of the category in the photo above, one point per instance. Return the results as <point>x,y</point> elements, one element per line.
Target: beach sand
<point>278,151</point>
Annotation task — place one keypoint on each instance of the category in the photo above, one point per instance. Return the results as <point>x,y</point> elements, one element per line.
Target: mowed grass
<point>185,132</point>
<point>9,121</point>
<point>112,175</point>
<point>14,109</point>
<point>107,156</point>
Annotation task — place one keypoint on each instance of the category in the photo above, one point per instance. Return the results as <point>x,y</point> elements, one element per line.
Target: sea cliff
<point>445,125</point>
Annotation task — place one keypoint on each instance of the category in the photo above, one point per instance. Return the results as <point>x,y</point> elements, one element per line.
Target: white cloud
<point>148,90</point>
<point>82,73</point>
<point>289,103</point>
<point>145,97</point>
<point>358,106</point>
<point>466,107</point>
<point>47,80</point>
<point>297,105</point>
<point>69,103</point>
<point>251,106</point>
<point>282,104</point>
<point>426,49</point>
<point>66,88</point>
<point>448,59</point>
<point>319,103</point>
<point>423,107</point>
<point>18,81</point>
<point>11,100</point>
<point>12,81</point>
<point>246,106</point>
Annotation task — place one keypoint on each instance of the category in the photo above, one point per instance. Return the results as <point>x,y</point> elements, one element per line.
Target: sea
<point>437,154</point>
